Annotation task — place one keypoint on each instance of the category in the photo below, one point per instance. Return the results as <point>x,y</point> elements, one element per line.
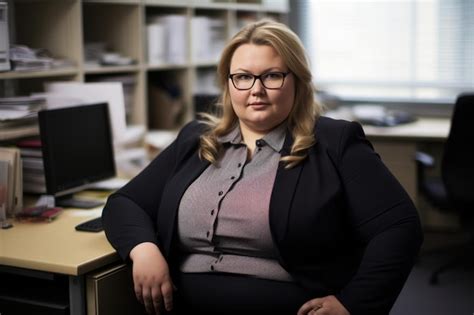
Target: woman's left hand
<point>327,305</point>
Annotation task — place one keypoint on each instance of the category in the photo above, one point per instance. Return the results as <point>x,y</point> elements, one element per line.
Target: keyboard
<point>92,225</point>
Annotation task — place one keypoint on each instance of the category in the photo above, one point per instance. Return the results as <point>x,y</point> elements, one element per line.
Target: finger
<point>167,291</point>
<point>157,299</point>
<point>138,293</point>
<point>318,310</point>
<point>148,301</point>
<point>309,306</point>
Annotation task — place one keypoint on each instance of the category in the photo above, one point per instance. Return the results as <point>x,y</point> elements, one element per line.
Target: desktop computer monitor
<point>77,151</point>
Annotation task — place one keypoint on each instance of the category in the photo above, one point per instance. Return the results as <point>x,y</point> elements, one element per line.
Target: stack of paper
<point>24,58</point>
<point>18,116</point>
<point>16,110</point>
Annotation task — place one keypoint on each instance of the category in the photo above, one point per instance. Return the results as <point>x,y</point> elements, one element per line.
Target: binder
<point>14,180</point>
<point>3,189</point>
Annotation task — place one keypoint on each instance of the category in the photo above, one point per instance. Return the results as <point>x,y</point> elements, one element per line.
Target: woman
<point>269,207</point>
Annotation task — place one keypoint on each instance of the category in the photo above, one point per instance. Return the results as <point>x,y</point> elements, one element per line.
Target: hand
<point>327,305</point>
<point>151,278</point>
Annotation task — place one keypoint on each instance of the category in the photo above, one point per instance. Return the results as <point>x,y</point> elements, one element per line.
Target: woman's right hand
<point>151,278</point>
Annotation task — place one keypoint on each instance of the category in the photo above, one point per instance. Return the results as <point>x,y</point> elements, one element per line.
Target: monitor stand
<point>70,202</point>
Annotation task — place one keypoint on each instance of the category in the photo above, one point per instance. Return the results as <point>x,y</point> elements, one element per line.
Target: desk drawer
<point>110,292</point>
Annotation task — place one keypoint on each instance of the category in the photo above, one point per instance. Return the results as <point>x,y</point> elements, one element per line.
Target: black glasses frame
<point>259,77</point>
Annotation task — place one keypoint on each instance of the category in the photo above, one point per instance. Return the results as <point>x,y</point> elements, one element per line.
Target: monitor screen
<point>77,147</point>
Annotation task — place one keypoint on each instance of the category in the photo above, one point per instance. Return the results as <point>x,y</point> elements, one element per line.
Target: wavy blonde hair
<point>305,110</point>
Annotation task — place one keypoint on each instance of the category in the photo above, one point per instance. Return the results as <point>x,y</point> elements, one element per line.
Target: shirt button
<point>220,193</point>
<point>233,177</point>
<point>212,268</point>
<point>212,212</point>
<point>239,165</point>
<point>207,234</point>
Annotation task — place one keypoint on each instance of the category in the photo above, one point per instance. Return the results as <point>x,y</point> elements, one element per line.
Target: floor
<point>453,295</point>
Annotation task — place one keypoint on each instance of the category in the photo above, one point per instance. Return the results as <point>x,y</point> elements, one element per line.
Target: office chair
<point>454,190</point>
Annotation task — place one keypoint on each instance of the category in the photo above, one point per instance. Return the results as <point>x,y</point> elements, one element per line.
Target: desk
<point>423,129</point>
<point>35,248</point>
<point>397,147</point>
<point>56,248</point>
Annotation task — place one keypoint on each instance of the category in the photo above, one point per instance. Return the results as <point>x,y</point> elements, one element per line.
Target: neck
<point>249,136</point>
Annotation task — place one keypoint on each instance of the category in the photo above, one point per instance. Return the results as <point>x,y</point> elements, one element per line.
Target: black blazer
<point>341,222</point>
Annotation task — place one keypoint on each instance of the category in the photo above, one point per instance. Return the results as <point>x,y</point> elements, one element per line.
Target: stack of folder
<point>18,116</point>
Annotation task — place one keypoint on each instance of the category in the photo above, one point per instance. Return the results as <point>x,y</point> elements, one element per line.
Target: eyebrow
<point>265,71</point>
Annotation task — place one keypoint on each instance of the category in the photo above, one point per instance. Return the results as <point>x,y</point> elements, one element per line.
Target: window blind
<point>390,49</point>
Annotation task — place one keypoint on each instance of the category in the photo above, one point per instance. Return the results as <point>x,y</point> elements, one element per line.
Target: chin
<point>262,124</point>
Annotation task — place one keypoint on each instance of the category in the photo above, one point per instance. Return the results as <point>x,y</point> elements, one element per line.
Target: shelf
<point>39,74</point>
<point>110,69</point>
<point>64,27</point>
<point>167,3</point>
<point>112,1</point>
<point>167,67</point>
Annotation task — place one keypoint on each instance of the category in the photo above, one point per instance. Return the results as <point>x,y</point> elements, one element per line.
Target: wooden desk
<point>56,248</point>
<point>35,248</point>
<point>397,147</point>
<point>424,129</point>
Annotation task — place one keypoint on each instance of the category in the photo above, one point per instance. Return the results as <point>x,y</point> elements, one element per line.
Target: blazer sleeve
<point>130,214</point>
<point>385,222</point>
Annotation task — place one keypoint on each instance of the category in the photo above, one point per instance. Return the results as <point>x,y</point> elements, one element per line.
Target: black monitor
<point>77,151</point>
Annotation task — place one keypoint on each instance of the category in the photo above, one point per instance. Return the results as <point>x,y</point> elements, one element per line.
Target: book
<point>14,187</point>
<point>39,213</point>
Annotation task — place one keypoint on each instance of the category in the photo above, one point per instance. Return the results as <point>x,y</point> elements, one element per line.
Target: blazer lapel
<point>282,195</point>
<point>173,194</point>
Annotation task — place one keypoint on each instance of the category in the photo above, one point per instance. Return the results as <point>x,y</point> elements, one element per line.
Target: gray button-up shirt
<point>223,218</point>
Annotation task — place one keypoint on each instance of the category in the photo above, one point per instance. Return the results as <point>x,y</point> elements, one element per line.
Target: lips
<point>258,104</point>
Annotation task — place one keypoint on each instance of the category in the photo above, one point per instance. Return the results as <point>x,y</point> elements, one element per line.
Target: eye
<point>274,75</point>
<point>243,77</point>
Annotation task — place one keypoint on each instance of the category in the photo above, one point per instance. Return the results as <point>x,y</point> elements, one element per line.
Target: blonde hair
<point>305,110</point>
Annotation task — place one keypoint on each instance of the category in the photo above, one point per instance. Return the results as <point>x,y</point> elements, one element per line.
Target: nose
<point>258,87</point>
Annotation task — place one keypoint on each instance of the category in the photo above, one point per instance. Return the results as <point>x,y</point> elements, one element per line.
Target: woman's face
<point>260,109</point>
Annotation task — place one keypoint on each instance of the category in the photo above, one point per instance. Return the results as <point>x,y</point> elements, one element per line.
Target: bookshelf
<point>66,27</point>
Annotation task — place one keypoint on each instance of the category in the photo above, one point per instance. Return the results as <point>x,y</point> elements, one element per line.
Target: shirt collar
<point>233,137</point>
<point>274,139</point>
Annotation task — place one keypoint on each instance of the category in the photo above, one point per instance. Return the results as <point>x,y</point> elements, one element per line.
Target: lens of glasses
<point>270,80</point>
<point>273,80</point>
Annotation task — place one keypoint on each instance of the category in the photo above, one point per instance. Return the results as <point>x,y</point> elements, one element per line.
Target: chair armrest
<point>424,159</point>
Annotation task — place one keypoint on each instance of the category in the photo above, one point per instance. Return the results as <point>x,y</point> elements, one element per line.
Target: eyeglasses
<point>270,80</point>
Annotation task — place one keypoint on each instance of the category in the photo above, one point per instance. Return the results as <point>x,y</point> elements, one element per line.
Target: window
<point>390,49</point>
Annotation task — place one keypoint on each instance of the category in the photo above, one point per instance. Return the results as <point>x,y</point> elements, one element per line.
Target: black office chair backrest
<point>458,157</point>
